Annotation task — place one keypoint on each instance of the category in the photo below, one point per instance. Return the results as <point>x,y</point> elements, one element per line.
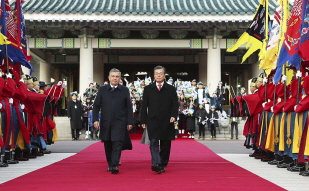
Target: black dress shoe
<point>156,168</point>
<point>115,170</point>
<point>109,169</point>
<point>162,169</point>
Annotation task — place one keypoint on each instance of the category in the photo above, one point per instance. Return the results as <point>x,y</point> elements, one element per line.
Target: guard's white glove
<point>295,107</point>
<point>59,83</point>
<point>11,100</point>
<point>22,80</point>
<point>9,75</point>
<point>263,104</point>
<point>272,109</point>
<point>0,105</point>
<point>64,85</point>
<point>284,78</point>
<point>22,106</point>
<point>298,74</point>
<point>265,80</point>
<point>0,74</point>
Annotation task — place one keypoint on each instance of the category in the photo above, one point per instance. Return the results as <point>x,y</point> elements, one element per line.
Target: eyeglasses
<point>159,73</point>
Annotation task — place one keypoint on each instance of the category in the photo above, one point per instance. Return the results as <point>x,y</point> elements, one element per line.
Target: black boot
<point>36,152</point>
<point>287,162</point>
<point>255,153</point>
<point>263,154</point>
<point>276,161</point>
<point>27,154</point>
<point>19,155</point>
<point>298,167</point>
<point>270,156</point>
<point>2,163</point>
<point>9,158</point>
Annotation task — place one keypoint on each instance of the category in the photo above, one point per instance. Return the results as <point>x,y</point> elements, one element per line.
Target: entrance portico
<point>86,35</point>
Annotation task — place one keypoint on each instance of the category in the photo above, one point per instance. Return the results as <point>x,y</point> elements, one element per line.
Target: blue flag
<point>304,38</point>
<point>289,50</point>
<point>3,16</point>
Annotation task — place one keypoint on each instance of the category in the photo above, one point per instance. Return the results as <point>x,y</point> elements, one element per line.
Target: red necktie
<point>159,87</point>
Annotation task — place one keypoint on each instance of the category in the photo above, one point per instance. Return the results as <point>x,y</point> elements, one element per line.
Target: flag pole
<point>7,58</point>
<point>298,83</point>
<point>265,96</point>
<point>284,67</point>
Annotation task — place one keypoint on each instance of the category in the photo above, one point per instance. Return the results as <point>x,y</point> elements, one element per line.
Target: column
<point>45,72</point>
<point>86,62</point>
<point>56,75</point>
<point>255,70</point>
<point>213,65</point>
<point>98,68</point>
<point>202,68</point>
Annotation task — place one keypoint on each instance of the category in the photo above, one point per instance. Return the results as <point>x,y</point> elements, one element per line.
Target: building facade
<point>81,40</point>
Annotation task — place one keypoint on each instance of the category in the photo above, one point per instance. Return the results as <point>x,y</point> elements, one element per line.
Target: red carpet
<point>192,167</point>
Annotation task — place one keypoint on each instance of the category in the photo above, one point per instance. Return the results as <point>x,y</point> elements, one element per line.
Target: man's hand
<point>129,127</point>
<point>172,120</point>
<point>69,118</point>
<point>96,125</point>
<point>81,118</point>
<point>144,126</point>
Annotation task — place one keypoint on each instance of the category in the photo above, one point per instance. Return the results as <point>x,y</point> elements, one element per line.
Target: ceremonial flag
<point>304,38</point>
<point>289,49</point>
<point>3,39</point>
<point>3,16</point>
<point>268,63</point>
<point>21,34</point>
<point>254,37</point>
<point>9,27</point>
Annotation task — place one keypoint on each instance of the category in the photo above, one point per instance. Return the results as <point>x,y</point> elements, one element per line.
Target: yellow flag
<point>276,37</point>
<point>255,36</point>
<point>4,39</point>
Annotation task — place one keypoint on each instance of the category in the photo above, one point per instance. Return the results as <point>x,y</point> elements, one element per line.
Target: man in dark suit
<point>75,109</point>
<point>159,112</point>
<point>116,118</point>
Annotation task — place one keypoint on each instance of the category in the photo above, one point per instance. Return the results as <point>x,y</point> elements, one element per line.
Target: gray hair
<point>114,70</point>
<point>159,67</point>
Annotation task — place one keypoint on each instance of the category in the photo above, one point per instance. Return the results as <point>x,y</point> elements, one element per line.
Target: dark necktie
<point>159,86</point>
<point>113,88</point>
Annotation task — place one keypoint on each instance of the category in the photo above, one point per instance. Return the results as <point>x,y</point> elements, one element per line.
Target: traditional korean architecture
<point>81,40</point>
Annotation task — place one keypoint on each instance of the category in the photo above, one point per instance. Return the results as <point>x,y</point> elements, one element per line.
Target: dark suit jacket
<point>75,114</point>
<point>157,109</point>
<point>116,112</point>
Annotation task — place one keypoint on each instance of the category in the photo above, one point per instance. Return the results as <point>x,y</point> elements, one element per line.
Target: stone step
<point>64,130</point>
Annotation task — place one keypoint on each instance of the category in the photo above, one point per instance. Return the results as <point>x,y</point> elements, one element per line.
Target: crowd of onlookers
<point>198,108</point>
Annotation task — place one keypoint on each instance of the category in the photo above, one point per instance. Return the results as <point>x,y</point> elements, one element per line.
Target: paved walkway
<point>24,167</point>
<point>289,180</point>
